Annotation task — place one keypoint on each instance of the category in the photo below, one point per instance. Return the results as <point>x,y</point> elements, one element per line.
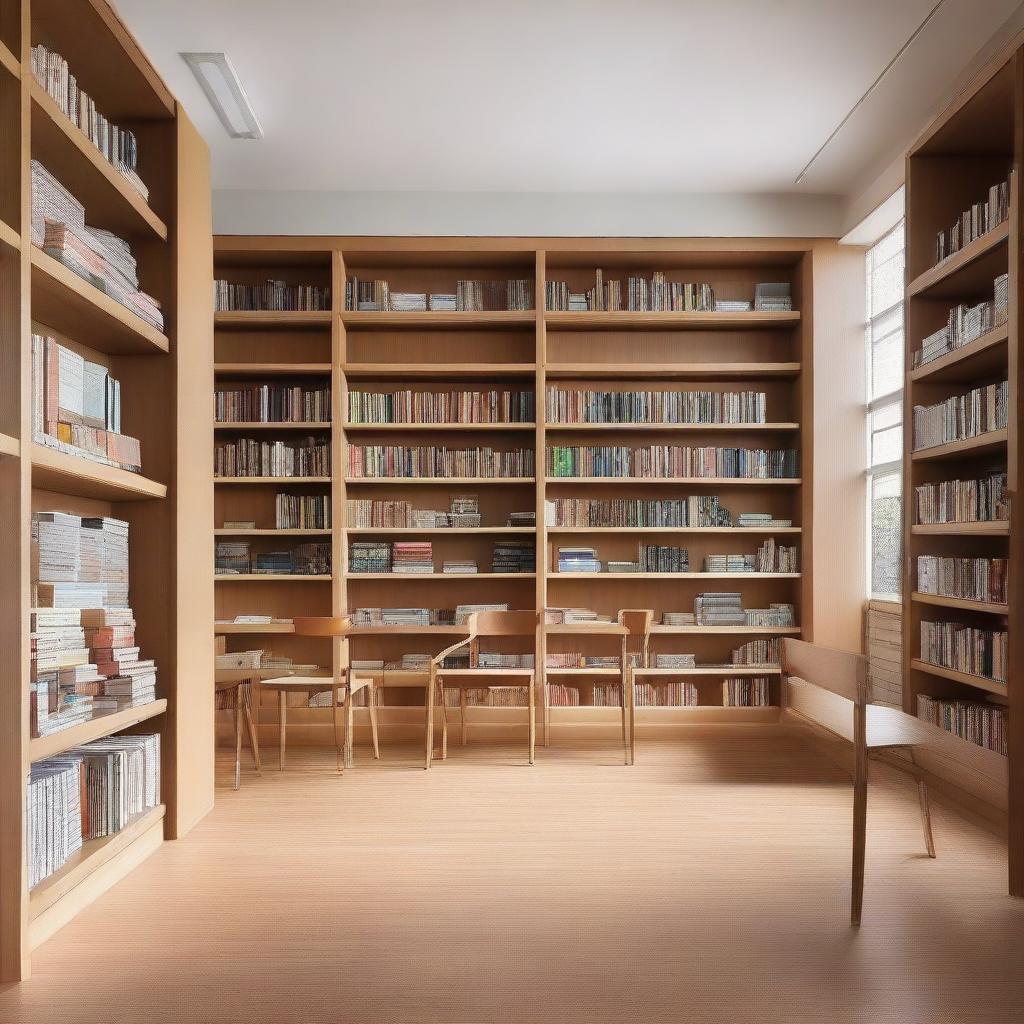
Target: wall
<point>248,212</point>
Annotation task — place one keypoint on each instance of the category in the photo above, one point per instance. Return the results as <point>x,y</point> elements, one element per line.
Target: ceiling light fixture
<point>214,72</point>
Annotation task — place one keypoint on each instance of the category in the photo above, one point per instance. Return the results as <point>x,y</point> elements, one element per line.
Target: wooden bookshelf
<point>165,404</point>
<point>529,349</point>
<point>975,143</point>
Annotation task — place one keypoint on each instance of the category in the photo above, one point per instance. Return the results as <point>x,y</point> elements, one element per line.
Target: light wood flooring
<point>708,883</point>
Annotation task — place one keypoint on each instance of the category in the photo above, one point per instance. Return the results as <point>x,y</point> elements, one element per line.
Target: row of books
<point>650,558</point>
<point>463,513</point>
<point>669,461</point>
<point>966,323</point>
<point>417,557</point>
<point>87,792</point>
<point>76,407</point>
<point>488,696</point>
<point>763,651</point>
<point>421,616</point>
<point>975,721</point>
<point>119,146</point>
<point>960,417</point>
<point>271,294</point>
<point>476,296</point>
<point>233,557</point>
<point>655,294</point>
<point>697,511</point>
<point>99,257</point>
<point>578,405</point>
<point>747,692</point>
<point>84,658</point>
<point>969,579</point>
<point>576,659</point>
<point>272,403</point>
<point>777,615</point>
<point>302,511</point>
<point>984,500</point>
<point>978,652</point>
<point>409,406</point>
<point>247,456</point>
<point>973,223</point>
<point>379,460</point>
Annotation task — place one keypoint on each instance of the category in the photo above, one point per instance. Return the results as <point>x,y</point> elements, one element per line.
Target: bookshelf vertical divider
<point>977,142</point>
<point>339,449</point>
<point>165,377</point>
<point>540,415</point>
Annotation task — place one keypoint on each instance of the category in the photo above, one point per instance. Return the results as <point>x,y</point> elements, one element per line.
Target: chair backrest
<point>503,623</point>
<point>638,621</point>
<point>838,672</point>
<point>334,626</point>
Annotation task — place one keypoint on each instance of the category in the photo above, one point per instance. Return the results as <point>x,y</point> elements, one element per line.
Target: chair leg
<point>631,685</point>
<point>371,703</point>
<point>625,721</point>
<point>926,810</point>
<point>339,742</point>
<point>462,715</point>
<point>860,809</point>
<point>429,713</point>
<point>349,728</point>
<point>252,729</point>
<point>282,715</point>
<point>546,700</point>
<point>238,737</point>
<point>532,694</point>
<point>444,722</point>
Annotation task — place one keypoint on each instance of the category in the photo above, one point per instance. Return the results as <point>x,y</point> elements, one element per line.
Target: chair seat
<point>304,683</point>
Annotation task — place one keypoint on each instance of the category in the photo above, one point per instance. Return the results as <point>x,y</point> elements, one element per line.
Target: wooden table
<point>228,679</point>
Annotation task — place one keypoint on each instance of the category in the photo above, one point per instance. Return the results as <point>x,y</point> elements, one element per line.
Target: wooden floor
<point>708,883</point>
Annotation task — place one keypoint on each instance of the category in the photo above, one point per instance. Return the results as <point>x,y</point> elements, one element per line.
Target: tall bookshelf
<point>972,145</point>
<point>531,350</point>
<point>161,393</point>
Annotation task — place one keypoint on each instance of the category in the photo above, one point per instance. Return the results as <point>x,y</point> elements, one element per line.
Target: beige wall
<point>839,538</point>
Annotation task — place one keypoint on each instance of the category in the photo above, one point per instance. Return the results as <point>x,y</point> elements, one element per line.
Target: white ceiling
<point>565,95</point>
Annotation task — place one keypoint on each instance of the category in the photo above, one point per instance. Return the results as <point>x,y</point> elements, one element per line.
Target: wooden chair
<point>480,624</point>
<point>637,642</point>
<point>820,685</point>
<point>342,684</point>
<point>231,683</point>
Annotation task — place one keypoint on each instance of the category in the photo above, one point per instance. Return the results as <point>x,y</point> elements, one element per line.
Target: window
<point>884,344</point>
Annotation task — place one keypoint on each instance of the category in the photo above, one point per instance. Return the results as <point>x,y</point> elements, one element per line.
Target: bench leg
<point>444,722</point>
<point>429,714</point>
<point>860,811</point>
<point>462,715</point>
<point>532,691</point>
<point>926,810</point>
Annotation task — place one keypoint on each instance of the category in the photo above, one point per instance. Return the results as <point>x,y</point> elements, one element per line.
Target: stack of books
<point>981,218</point>
<point>463,611</point>
<point>678,619</point>
<point>733,305</point>
<point>460,567</point>
<point>232,557</point>
<point>100,257</point>
<point>409,302</point>
<point>719,609</point>
<point>569,616</point>
<point>761,520</point>
<point>675,661</point>
<point>514,556</point>
<point>415,557</point>
<point>728,563</point>
<point>521,519</point>
<point>76,407</point>
<point>271,295</point>
<point>773,298</point>
<point>578,560</point>
<point>118,146</point>
<point>369,556</point>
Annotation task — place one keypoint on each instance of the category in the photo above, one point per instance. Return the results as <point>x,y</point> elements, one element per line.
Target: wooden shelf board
<point>436,427</point>
<point>670,371</point>
<point>96,728</point>
<point>989,441</point>
<point>284,481</point>
<point>667,427</point>
<point>53,470</point>
<point>9,445</point>
<point>956,602</point>
<point>408,630</point>
<point>979,682</point>
<point>439,481</point>
<point>9,236</point>
<point>93,855</point>
<point>995,528</point>
<point>983,357</point>
<point>270,577</point>
<point>710,670</point>
<point>943,280</point>
<point>253,627</point>
<point>440,318</point>
<point>729,630</point>
<point>675,529</point>
<point>676,321</point>
<point>69,304</point>
<point>617,673</point>
<point>290,425</point>
<point>110,199</point>
<point>404,576</point>
<point>709,481</point>
<point>9,61</point>
<point>552,576</point>
<point>269,319</point>
<point>436,371</point>
<point>272,369</point>
<point>436,531</point>
<point>225,532</point>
